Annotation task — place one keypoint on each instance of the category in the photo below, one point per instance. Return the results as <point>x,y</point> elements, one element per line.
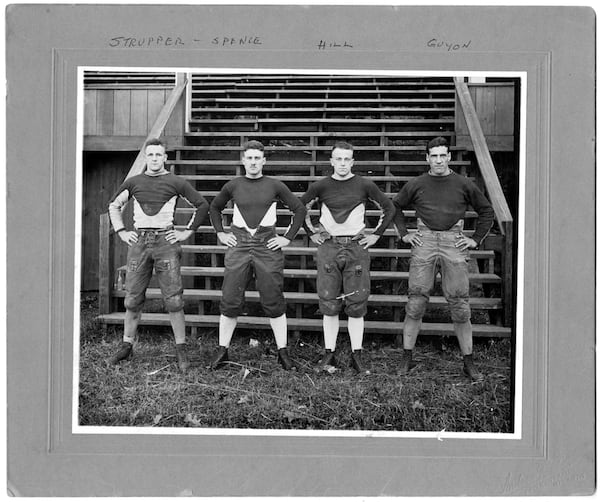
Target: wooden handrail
<point>484,159</point>
<point>161,121</point>
<point>496,195</point>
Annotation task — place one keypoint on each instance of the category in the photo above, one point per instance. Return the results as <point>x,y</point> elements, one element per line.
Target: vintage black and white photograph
<point>299,252</point>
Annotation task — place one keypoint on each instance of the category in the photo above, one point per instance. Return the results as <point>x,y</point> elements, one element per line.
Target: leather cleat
<point>470,370</point>
<point>182,358</point>
<point>125,352</point>
<point>220,357</point>
<point>357,363</point>
<point>329,359</point>
<point>284,359</point>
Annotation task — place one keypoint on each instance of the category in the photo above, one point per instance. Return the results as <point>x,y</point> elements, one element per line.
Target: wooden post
<point>105,267</point>
<point>187,102</point>
<point>507,274</point>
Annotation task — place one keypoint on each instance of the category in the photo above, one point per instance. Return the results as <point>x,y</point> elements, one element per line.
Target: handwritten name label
<point>156,41</point>
<point>229,41</point>
<point>150,41</point>
<point>326,44</point>
<point>448,46</point>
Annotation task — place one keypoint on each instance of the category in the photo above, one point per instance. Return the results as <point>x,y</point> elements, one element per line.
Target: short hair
<point>155,141</point>
<point>439,141</point>
<point>343,145</point>
<point>253,145</point>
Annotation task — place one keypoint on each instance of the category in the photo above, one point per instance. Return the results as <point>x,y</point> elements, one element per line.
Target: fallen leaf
<point>253,342</point>
<point>418,404</point>
<point>244,399</point>
<point>157,418</point>
<point>246,373</point>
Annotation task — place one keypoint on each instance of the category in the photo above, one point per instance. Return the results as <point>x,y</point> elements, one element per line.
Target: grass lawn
<point>254,392</point>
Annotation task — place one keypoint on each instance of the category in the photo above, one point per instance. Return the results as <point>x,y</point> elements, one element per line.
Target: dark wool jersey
<point>343,205</point>
<point>155,199</point>
<point>441,201</point>
<point>255,204</point>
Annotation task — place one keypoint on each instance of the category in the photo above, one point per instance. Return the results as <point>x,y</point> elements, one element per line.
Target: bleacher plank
<point>388,232</point>
<point>312,251</point>
<point>320,134</point>
<point>308,162</point>
<point>382,327</point>
<point>284,178</point>
<point>248,110</point>
<point>324,92</point>
<point>388,119</point>
<point>299,273</point>
<point>287,120</point>
<point>481,303</point>
<point>316,77</point>
<point>295,273</point>
<point>323,101</point>
<point>419,149</point>
<point>313,212</point>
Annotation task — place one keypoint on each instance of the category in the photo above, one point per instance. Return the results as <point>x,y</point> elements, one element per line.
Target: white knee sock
<point>226,328</point>
<point>356,328</point>
<point>279,326</point>
<point>331,327</point>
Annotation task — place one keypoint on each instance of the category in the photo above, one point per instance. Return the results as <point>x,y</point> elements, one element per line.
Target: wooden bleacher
<point>298,118</point>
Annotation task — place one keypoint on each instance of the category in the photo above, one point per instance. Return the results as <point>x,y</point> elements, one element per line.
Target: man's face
<point>438,158</point>
<point>342,162</point>
<point>155,158</point>
<point>253,161</point>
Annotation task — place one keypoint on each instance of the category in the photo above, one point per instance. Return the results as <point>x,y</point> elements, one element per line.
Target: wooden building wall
<point>103,172</point>
<point>120,119</point>
<point>495,105</point>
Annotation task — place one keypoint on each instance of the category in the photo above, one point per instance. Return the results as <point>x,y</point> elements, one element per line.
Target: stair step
<point>324,92</point>
<point>418,149</point>
<point>286,77</point>
<point>297,273</point>
<point>308,162</point>
<point>342,85</point>
<point>322,134</point>
<point>325,101</point>
<point>391,327</point>
<point>314,212</point>
<point>312,251</point>
<point>480,303</point>
<point>311,121</point>
<point>301,177</point>
<point>208,229</point>
<point>275,108</point>
<point>212,193</point>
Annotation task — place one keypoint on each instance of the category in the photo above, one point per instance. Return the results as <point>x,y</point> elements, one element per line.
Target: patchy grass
<point>254,392</point>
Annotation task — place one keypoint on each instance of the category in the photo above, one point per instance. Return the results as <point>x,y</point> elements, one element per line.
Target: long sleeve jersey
<point>441,201</point>
<point>255,204</point>
<point>154,201</point>
<point>343,205</point>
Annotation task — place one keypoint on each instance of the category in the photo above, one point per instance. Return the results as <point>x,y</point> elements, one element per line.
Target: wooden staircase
<point>298,118</point>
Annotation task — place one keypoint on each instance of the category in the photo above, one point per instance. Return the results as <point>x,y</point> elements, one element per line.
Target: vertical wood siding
<point>495,110</point>
<point>126,112</point>
<point>102,175</point>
